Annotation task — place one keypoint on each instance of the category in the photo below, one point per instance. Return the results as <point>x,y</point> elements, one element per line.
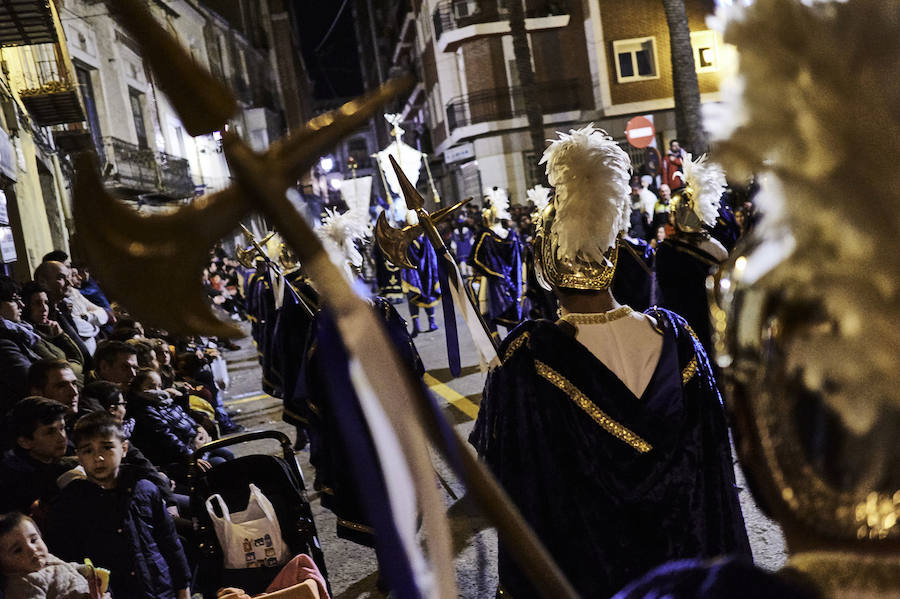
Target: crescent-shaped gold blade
<point>152,264</point>
<point>203,104</point>
<point>395,242</point>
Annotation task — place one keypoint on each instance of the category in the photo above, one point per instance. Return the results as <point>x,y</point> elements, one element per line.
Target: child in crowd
<point>109,398</point>
<point>29,571</point>
<point>117,519</point>
<point>28,472</point>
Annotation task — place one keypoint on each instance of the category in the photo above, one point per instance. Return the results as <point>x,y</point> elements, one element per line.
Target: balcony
<point>26,22</point>
<point>72,138</point>
<point>46,86</point>
<point>509,102</point>
<point>131,170</point>
<point>457,21</point>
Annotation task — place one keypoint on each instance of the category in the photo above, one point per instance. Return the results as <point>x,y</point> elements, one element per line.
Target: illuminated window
<point>635,59</point>
<point>706,51</point>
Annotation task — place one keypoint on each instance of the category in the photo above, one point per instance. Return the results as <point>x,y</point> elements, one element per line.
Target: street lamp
<point>326,164</point>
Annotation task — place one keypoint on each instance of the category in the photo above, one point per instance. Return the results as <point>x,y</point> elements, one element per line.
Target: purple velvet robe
<point>613,484</point>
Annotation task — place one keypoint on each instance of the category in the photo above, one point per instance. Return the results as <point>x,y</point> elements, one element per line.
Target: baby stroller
<point>280,480</point>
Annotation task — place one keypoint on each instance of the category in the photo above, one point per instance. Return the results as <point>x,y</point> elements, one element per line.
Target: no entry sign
<point>640,131</point>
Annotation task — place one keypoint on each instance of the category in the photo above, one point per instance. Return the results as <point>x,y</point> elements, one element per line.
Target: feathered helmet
<point>499,206</point>
<point>339,233</point>
<point>697,203</point>
<point>577,234</point>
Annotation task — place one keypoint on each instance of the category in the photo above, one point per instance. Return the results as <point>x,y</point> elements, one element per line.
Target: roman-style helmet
<point>697,203</point>
<point>575,245</point>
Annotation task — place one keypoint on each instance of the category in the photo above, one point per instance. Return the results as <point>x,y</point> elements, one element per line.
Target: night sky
<point>334,68</point>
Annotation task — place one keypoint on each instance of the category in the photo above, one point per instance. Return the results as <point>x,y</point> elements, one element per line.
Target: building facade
<point>73,80</point>
<point>40,107</point>
<point>600,61</point>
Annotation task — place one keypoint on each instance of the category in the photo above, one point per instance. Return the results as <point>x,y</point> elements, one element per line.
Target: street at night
<point>436,299</point>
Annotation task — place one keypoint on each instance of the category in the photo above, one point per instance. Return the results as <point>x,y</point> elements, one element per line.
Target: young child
<point>28,472</point>
<point>117,518</point>
<point>29,571</point>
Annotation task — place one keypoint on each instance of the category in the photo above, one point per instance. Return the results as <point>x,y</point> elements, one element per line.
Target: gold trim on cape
<point>598,415</point>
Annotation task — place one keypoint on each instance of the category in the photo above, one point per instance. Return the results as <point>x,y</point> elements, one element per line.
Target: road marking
<point>246,399</point>
<point>457,400</point>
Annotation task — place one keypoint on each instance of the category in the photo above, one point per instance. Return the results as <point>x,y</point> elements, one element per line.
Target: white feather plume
<point>706,183</point>
<point>817,106</point>
<point>499,203</point>
<point>590,173</point>
<point>339,233</point>
<point>648,201</point>
<point>540,197</point>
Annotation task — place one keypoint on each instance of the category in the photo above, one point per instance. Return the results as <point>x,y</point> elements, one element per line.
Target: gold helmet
<point>576,242</point>
<point>696,205</point>
<point>498,208</point>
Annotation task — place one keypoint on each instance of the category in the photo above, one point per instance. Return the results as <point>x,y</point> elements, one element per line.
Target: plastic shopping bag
<point>251,538</point>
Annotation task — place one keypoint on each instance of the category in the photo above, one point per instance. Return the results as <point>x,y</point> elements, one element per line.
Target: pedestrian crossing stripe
<point>454,398</point>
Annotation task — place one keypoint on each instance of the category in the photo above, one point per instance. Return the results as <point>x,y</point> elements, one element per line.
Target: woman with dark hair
<point>37,313</point>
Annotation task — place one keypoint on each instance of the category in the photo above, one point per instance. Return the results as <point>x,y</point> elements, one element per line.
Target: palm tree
<point>533,111</point>
<point>688,121</point>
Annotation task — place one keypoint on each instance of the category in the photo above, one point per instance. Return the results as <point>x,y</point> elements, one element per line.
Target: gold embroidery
<point>689,371</point>
<point>597,317</point>
<point>598,415</point>
<point>514,345</point>
<point>475,255</point>
<point>355,526</point>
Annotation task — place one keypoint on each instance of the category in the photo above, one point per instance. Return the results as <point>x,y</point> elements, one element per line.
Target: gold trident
<point>152,264</point>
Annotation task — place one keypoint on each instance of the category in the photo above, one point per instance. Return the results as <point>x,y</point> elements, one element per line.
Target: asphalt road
<point>352,569</point>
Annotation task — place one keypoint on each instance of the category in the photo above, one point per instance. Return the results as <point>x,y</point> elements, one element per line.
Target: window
<point>635,59</point>
<point>90,105</point>
<point>137,113</point>
<point>706,51</point>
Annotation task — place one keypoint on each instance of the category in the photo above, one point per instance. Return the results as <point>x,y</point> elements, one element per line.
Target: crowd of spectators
<point>100,419</point>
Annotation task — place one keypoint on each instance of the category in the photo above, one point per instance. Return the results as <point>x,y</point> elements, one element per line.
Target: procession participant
<point>684,260</point>
<point>336,465</point>
<point>614,409</point>
<point>420,284</point>
<point>496,261</point>
<point>291,338</point>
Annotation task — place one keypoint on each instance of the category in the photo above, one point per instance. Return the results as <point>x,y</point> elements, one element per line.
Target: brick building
<point>600,61</point>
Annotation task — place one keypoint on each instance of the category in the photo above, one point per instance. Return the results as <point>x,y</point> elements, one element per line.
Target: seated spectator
<point>55,380</point>
<point>109,396</point>
<point>54,278</point>
<point>116,362</point>
<point>118,519</point>
<point>194,368</point>
<point>20,346</point>
<point>28,472</point>
<point>29,571</point>
<point>88,287</point>
<point>146,356</point>
<point>168,434</point>
<point>37,313</point>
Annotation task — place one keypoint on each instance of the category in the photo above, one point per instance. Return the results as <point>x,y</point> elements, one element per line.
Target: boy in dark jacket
<point>28,472</point>
<point>117,519</point>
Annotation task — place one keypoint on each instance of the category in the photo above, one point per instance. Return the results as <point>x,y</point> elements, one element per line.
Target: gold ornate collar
<point>576,318</point>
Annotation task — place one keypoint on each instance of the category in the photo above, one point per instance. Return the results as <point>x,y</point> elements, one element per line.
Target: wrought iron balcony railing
<point>135,170</point>
<point>454,14</point>
<point>508,102</point>
<point>46,85</point>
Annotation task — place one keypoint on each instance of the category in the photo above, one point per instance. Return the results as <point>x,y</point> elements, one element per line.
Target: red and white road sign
<point>640,131</point>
